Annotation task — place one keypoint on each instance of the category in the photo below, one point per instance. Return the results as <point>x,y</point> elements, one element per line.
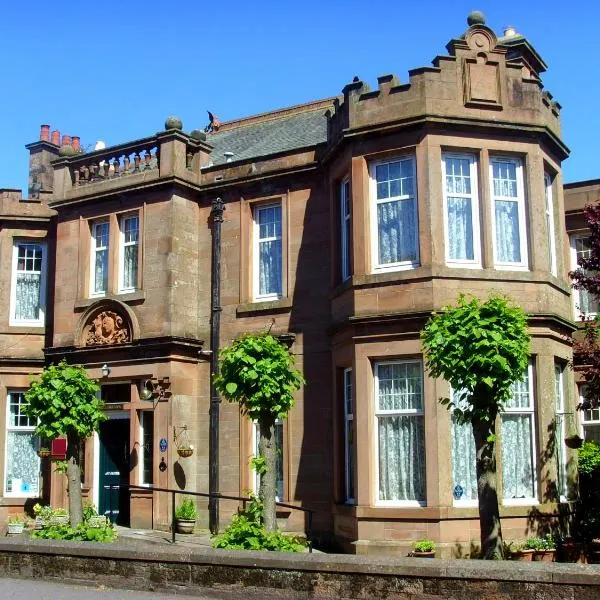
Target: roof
<point>257,139</point>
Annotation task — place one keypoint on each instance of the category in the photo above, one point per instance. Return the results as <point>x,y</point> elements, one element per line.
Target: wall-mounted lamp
<point>146,390</point>
<point>105,370</point>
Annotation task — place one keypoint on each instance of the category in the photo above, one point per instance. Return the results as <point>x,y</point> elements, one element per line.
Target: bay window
<point>129,253</point>
<point>99,258</point>
<point>28,289</point>
<point>268,259</point>
<point>590,419</point>
<point>399,424</point>
<point>348,437</point>
<point>395,225</point>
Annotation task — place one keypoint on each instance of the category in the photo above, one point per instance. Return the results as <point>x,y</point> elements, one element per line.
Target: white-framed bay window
<point>586,305</point>
<point>99,258</point>
<point>464,471</point>
<point>22,464</point>
<point>129,241</point>
<point>28,287</point>
<point>394,220</point>
<point>552,261</point>
<point>590,419</point>
<point>560,432</point>
<point>517,431</point>
<point>268,252</point>
<point>279,479</point>
<point>461,210</point>
<point>400,431</point>
<point>146,454</point>
<point>345,230</point>
<point>348,438</point>
<point>508,213</point>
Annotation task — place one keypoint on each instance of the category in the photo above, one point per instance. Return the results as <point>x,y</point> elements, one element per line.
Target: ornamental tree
<point>64,402</point>
<point>257,371</point>
<point>481,349</point>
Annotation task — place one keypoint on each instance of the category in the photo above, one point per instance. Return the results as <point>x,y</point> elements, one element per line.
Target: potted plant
<point>519,551</point>
<point>544,548</point>
<point>185,451</point>
<point>44,452</point>
<point>16,524</point>
<point>185,516</point>
<point>574,441</point>
<point>424,549</point>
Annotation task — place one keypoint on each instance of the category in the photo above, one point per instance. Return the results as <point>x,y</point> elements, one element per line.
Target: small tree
<point>65,403</point>
<point>257,372</point>
<point>481,349</point>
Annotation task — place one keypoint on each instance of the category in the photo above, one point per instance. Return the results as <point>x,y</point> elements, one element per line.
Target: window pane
<point>587,304</point>
<point>101,271</point>
<point>460,229</point>
<point>505,179</point>
<point>22,463</point>
<point>130,266</point>
<point>131,230</point>
<point>517,456</point>
<point>458,175</point>
<point>520,393</point>
<point>396,223</point>
<point>269,273</point>
<point>508,243</point>
<point>400,386</point>
<point>27,297</point>
<point>464,472</point>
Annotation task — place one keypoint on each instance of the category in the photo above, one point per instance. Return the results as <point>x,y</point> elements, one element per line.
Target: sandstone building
<point>347,221</point>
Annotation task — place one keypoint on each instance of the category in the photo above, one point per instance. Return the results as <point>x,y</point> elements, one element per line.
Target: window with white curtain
<point>461,209</point>
<point>22,464</point>
<point>28,289</point>
<point>395,225</point>
<point>590,419</point>
<point>348,437</point>
<point>129,252</point>
<point>560,432</point>
<point>346,229</point>
<point>464,472</point>
<point>550,224</point>
<point>99,258</point>
<point>268,276</point>
<point>586,304</point>
<point>278,460</point>
<point>517,430</point>
<point>399,424</point>
<point>508,203</point>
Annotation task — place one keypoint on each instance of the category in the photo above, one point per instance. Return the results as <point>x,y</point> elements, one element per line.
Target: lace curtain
<point>508,243</point>
<point>269,251</point>
<point>101,271</point>
<point>27,305</point>
<point>397,231</point>
<point>22,463</point>
<point>130,266</point>
<point>464,473</point>
<point>459,208</point>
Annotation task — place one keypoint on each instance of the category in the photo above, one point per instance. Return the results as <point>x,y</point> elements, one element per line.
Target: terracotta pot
<point>185,525</point>
<point>423,554</point>
<point>524,555</point>
<point>544,555</point>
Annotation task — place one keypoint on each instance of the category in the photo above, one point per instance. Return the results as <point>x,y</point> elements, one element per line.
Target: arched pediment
<point>107,323</point>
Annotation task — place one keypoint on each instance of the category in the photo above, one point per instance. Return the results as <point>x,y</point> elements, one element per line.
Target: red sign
<point>58,450</point>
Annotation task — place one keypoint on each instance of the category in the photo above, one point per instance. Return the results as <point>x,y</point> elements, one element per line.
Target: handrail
<point>218,496</point>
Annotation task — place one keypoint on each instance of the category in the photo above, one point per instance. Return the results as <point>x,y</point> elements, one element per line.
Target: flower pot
<point>43,452</point>
<point>40,523</point>
<point>523,555</point>
<point>544,555</point>
<point>185,525</point>
<point>59,520</point>
<point>97,521</point>
<point>570,552</point>
<point>185,452</point>
<point>573,442</point>
<point>16,528</point>
<point>423,554</point>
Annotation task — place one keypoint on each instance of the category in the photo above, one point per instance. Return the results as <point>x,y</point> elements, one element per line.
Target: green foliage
<point>186,510</point>
<point>47,512</point>
<point>89,511</point>
<point>17,519</point>
<point>259,464</point>
<point>257,371</point>
<point>589,457</point>
<point>64,402</point>
<point>424,546</point>
<point>480,348</point>
<point>540,543</point>
<point>81,533</point>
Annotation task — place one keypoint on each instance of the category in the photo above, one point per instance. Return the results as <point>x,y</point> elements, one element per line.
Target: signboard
<point>58,449</point>
<point>163,445</point>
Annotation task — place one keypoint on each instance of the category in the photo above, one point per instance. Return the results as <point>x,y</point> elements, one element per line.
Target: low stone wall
<point>249,575</point>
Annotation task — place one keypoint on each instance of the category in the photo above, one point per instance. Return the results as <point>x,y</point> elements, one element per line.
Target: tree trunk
<point>489,514</point>
<point>74,480</point>
<point>268,479</point>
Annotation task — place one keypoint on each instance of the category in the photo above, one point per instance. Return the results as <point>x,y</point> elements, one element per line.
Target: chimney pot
<point>55,138</point>
<point>75,142</point>
<point>66,140</point>
<point>45,133</point>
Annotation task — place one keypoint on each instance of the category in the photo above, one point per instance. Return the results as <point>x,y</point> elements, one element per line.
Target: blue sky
<point>115,70</point>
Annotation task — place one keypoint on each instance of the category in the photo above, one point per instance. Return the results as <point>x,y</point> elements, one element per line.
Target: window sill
<point>127,298</point>
<point>255,308</point>
<point>27,329</point>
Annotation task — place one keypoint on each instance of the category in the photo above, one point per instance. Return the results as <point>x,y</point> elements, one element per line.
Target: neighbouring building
<point>347,221</point>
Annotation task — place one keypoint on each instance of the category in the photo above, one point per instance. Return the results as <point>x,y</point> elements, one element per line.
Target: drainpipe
<point>215,327</point>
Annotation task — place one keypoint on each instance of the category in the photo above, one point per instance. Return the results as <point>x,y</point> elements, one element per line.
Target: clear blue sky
<point>114,70</point>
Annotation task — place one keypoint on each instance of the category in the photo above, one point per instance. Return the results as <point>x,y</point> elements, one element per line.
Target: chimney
<point>44,133</point>
<point>76,143</point>
<point>55,139</point>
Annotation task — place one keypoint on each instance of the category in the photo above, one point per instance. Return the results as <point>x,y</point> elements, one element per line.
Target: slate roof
<point>269,137</point>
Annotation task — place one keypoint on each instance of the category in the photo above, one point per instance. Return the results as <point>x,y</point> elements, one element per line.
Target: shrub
<point>81,533</point>
<point>424,546</point>
<point>186,510</point>
<point>589,457</point>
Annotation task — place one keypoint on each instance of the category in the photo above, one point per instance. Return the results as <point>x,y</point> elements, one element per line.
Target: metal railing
<point>242,499</point>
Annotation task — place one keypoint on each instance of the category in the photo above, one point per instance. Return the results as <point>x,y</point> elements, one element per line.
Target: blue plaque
<point>458,491</point>
<point>163,445</point>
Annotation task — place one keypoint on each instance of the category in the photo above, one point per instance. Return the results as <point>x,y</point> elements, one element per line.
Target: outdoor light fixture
<point>105,370</point>
<point>147,390</point>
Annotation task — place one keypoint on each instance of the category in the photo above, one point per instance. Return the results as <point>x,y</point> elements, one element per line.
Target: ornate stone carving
<point>106,329</point>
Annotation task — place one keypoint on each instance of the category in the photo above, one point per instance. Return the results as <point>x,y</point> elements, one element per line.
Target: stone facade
<point>353,291</point>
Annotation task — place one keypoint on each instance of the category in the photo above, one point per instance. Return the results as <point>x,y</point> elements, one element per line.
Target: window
<point>518,443</point>
<point>147,447</point>
<point>560,432</point>
<point>22,466</point>
<point>346,229</point>
<point>268,252</point>
<point>28,289</point>
<point>401,433</point>
<point>279,461</point>
<point>586,305</point>
<point>590,419</point>
<point>461,209</point>
<point>510,238</point>
<point>128,262</point>
<point>395,227</point>
<point>550,224</point>
<point>348,437</point>
<point>464,473</point>
<point>99,257</point>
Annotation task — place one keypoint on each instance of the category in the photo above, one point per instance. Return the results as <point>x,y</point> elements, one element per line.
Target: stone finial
<point>173,123</point>
<point>476,17</point>
<point>197,134</point>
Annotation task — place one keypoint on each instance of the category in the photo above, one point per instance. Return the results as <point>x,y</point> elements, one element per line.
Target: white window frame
<point>410,412</point>
<point>20,428</point>
<point>402,265</point>
<point>552,258</point>
<point>574,266</point>
<point>254,476</point>
<point>561,411</point>
<point>348,449</point>
<point>521,411</point>
<point>256,251</point>
<point>13,321</point>
<point>475,263</point>
<point>141,462</point>
<point>122,245</point>
<point>584,413</point>
<point>523,265</point>
<point>345,220</point>
<point>93,250</point>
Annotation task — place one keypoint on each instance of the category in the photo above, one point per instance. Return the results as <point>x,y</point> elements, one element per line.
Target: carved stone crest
<point>106,329</point>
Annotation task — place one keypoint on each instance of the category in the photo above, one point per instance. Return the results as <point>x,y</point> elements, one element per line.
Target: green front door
<point>114,470</point>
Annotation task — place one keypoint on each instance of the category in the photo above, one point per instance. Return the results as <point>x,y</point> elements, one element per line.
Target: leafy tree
<point>65,403</point>
<point>481,349</point>
<point>257,372</point>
